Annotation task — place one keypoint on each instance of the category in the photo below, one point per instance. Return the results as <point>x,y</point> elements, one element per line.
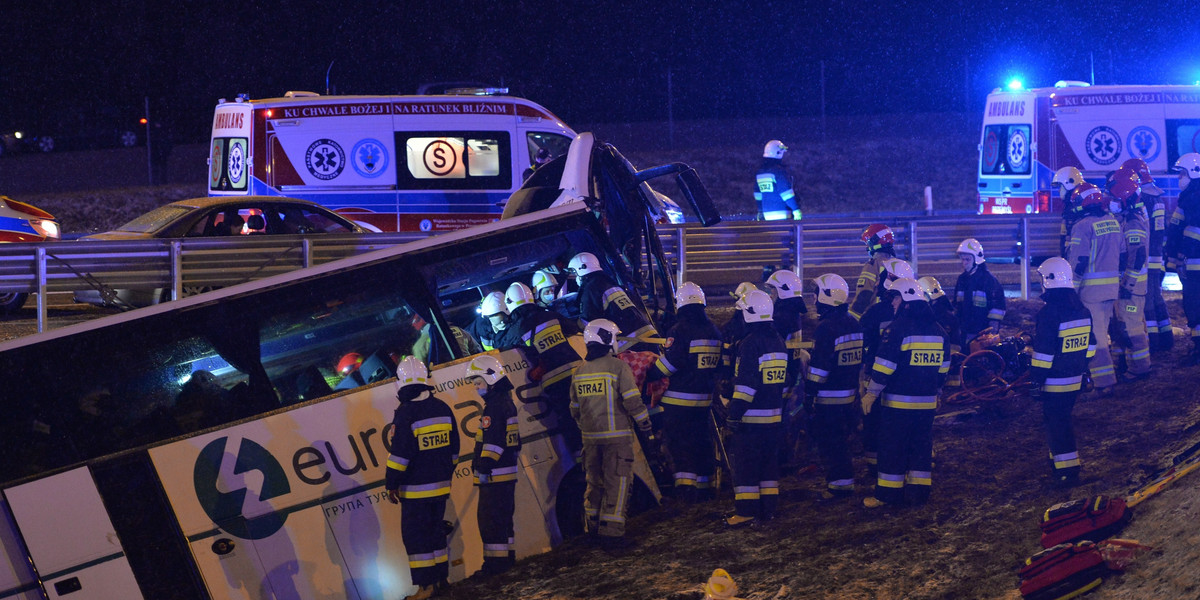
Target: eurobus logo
<point>225,507</point>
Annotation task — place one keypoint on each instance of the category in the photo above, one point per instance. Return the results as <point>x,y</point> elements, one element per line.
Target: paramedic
<point>1094,253</point>
<point>774,195</point>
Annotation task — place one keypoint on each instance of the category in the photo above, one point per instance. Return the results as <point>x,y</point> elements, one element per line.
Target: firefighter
<point>775,197</point>
<point>1067,179</point>
<point>690,358</point>
<point>877,319</point>
<point>497,445</point>
<point>756,413</point>
<point>832,383</point>
<point>1130,307</point>
<point>787,292</point>
<point>943,311</point>
<point>910,367</point>
<point>978,297</point>
<point>880,243</point>
<point>607,404</point>
<point>545,335</point>
<point>1183,245</point>
<point>731,334</point>
<point>601,297</point>
<point>424,450</point>
<point>1158,320</point>
<point>490,322</point>
<point>545,288</point>
<point>1094,253</point>
<point>1062,344</point>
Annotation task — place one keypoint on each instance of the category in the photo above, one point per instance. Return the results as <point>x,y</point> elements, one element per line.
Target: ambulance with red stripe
<point>392,163</point>
<point>1029,134</point>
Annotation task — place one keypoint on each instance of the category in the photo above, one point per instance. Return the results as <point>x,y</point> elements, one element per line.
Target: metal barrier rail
<point>716,258</point>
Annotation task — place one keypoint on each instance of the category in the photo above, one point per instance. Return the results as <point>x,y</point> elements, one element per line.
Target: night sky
<point>589,62</point>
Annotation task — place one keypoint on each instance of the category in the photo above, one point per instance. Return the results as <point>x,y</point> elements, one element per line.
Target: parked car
<point>220,216</point>
<point>21,222</point>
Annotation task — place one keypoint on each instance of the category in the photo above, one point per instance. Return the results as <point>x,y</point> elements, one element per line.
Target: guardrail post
<point>799,251</point>
<point>681,249</point>
<point>176,270</point>
<point>913,255</point>
<point>1025,258</point>
<point>39,255</point>
<point>306,248</point>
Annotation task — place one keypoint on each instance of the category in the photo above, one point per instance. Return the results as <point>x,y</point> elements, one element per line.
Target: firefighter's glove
<point>868,400</point>
<point>393,496</point>
<point>1124,293</point>
<point>797,215</point>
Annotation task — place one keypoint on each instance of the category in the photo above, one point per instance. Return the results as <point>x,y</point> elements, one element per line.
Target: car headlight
<point>45,227</point>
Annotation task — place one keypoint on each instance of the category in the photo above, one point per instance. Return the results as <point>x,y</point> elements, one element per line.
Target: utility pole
<point>823,123</point>
<point>670,111</point>
<point>149,151</point>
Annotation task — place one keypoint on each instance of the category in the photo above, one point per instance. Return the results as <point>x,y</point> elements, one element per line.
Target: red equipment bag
<point>1094,519</point>
<point>1064,571</point>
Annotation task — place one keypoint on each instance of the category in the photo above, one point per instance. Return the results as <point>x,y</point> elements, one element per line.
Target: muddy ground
<point>990,484</point>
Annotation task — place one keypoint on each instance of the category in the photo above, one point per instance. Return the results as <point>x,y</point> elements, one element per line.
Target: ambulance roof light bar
<point>477,91</point>
<point>1066,83</point>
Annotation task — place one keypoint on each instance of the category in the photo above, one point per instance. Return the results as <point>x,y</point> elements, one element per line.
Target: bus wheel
<point>568,504</point>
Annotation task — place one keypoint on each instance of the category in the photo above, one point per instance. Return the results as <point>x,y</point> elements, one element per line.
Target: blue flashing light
<point>1015,84</point>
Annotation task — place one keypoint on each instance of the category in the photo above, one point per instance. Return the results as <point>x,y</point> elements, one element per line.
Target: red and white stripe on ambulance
<point>426,164</point>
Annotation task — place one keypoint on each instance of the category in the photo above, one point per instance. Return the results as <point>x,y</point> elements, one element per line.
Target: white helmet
<point>1068,178</point>
<point>973,247</point>
<point>910,290</point>
<point>756,306</point>
<point>933,290</point>
<point>774,149</point>
<point>601,331</point>
<point>742,289</point>
<point>582,264</point>
<point>486,366</point>
<point>411,372</point>
<point>1189,164</point>
<point>689,293</point>
<point>786,283</point>
<point>897,269</point>
<point>832,289</point>
<point>543,280</point>
<point>516,295</point>
<point>1056,273</point>
<point>493,304</point>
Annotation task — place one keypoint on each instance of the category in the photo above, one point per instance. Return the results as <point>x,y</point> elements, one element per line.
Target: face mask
<point>1114,207</point>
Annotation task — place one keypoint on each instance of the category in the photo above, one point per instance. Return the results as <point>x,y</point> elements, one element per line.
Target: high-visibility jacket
<point>606,401</point>
<point>545,333</point>
<point>836,357</point>
<point>1094,252</point>
<point>868,282</point>
<point>498,441</point>
<point>773,191</point>
<point>760,373</point>
<point>912,361</point>
<point>1062,342</point>
<point>690,358</point>
<point>424,449</point>
<point>978,300</point>
<point>601,297</point>
<point>1135,227</point>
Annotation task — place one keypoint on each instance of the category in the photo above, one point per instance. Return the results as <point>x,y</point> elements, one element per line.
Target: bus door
<point>70,538</point>
<point>17,577</point>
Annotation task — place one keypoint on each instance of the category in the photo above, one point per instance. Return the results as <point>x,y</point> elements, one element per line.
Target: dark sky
<point>587,61</point>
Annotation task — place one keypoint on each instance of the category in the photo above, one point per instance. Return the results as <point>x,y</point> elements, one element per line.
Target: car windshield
<point>155,219</point>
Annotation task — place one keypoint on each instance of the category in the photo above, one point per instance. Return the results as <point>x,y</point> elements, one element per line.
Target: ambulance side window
<point>456,160</point>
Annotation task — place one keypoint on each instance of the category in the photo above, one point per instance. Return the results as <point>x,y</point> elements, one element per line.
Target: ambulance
<point>1029,134</point>
<point>391,163</point>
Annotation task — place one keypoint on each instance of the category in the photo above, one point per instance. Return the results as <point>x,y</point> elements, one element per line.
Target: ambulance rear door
<point>1006,181</point>
<point>230,160</point>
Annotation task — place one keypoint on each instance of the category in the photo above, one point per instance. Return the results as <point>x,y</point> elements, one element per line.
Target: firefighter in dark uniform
<point>1067,180</point>
<point>756,413</point>
<point>607,404</point>
<point>1130,308</point>
<point>1095,256</point>
<point>910,366</point>
<point>601,297</point>
<point>423,453</point>
<point>690,358</point>
<point>1158,320</point>
<point>943,311</point>
<point>497,445</point>
<point>731,334</point>
<point>545,335</point>
<point>787,291</point>
<point>880,243</point>
<point>490,321</point>
<point>1183,245</point>
<point>832,383</point>
<point>877,319</point>
<point>978,297</point>
<point>1062,344</point>
<point>773,194</point>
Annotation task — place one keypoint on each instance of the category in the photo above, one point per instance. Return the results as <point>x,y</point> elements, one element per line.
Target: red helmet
<point>1124,186</point>
<point>877,236</point>
<point>349,363</point>
<point>1145,179</point>
<point>1086,195</point>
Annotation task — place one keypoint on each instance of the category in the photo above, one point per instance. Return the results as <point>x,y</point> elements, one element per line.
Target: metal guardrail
<point>717,258</point>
